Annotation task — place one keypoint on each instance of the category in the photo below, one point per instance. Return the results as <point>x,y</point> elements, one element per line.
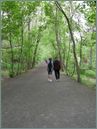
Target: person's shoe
<point>50,80</point>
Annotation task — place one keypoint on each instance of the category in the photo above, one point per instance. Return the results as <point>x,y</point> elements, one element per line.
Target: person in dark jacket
<point>57,67</point>
<point>50,69</point>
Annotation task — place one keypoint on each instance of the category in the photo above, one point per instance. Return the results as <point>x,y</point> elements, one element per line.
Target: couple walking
<point>53,65</point>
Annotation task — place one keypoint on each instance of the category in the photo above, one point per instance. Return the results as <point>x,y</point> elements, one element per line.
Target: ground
<point>30,101</point>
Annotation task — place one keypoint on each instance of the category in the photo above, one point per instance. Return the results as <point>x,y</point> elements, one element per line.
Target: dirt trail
<point>30,101</point>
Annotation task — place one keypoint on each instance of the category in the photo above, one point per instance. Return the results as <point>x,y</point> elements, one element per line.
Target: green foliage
<point>37,21</point>
<point>91,83</point>
<point>48,10</point>
<point>90,73</point>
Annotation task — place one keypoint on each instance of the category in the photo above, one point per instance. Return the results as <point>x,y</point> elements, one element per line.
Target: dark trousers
<point>57,74</point>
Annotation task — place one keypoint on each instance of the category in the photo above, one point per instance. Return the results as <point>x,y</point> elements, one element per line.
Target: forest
<point>33,31</point>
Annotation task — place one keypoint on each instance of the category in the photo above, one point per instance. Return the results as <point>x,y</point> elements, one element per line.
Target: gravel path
<point>30,101</point>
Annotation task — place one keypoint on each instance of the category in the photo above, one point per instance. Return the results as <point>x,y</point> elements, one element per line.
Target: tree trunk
<point>35,50</point>
<point>18,58</point>
<point>64,56</point>
<point>91,52</point>
<point>67,59</point>
<point>71,34</point>
<point>29,41</point>
<point>12,56</point>
<point>80,44</point>
<point>22,42</point>
<point>81,52</point>
<point>58,39</point>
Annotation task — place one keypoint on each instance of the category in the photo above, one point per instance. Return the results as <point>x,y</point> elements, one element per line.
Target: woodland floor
<point>30,101</point>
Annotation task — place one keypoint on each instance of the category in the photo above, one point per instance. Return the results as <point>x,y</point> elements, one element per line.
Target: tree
<point>71,34</point>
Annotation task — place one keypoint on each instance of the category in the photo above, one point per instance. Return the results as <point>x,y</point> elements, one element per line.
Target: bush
<point>82,71</point>
<point>11,74</point>
<point>90,73</point>
<point>90,82</point>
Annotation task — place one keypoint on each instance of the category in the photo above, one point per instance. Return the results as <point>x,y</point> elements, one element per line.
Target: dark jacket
<point>50,66</point>
<point>57,65</point>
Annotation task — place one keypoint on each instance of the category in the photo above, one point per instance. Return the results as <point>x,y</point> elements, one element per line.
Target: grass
<point>88,78</point>
<point>90,73</point>
<point>87,81</point>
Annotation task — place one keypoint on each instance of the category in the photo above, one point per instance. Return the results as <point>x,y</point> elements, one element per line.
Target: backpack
<point>57,65</point>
